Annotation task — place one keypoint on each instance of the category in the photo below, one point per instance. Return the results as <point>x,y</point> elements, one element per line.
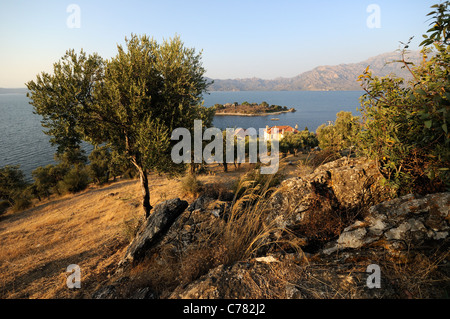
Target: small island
<point>250,109</point>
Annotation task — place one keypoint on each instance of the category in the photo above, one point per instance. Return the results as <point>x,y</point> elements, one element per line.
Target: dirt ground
<point>90,229</point>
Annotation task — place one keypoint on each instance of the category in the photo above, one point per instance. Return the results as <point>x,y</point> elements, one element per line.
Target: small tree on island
<point>131,103</point>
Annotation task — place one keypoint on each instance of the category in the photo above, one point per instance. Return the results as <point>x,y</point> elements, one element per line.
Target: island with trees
<point>250,109</point>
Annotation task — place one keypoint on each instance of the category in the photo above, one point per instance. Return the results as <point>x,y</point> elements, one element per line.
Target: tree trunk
<point>144,185</point>
<point>145,192</point>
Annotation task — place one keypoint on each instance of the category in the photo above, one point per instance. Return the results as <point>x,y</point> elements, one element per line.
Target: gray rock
<point>346,183</point>
<point>410,219</point>
<point>200,203</point>
<point>352,239</point>
<point>107,292</point>
<point>254,279</point>
<point>154,228</point>
<point>143,293</point>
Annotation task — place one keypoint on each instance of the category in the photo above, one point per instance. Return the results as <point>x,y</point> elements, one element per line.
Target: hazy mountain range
<point>10,91</point>
<point>340,77</point>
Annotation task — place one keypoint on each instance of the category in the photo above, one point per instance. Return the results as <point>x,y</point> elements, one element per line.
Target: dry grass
<point>39,243</point>
<point>245,234</point>
<point>421,275</point>
<point>315,159</point>
<point>91,228</point>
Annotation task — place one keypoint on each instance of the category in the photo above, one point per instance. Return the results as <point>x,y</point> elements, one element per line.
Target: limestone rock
<point>143,293</point>
<point>411,219</point>
<point>106,292</point>
<point>200,203</point>
<point>154,228</point>
<point>346,183</point>
<point>259,279</point>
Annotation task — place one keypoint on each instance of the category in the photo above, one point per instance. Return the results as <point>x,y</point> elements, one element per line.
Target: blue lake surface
<point>23,142</point>
<point>313,107</point>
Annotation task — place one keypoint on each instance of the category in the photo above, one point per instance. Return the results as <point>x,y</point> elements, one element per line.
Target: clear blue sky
<point>239,39</point>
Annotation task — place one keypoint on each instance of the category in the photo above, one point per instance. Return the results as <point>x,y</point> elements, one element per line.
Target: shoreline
<point>256,114</point>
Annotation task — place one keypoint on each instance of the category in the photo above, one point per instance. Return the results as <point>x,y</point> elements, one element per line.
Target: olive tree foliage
<point>62,98</point>
<point>100,164</point>
<point>302,140</point>
<point>130,103</point>
<point>406,123</point>
<point>12,182</point>
<point>342,134</point>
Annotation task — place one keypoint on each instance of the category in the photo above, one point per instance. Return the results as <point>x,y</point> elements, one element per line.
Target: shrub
<point>12,181</point>
<point>13,189</point>
<point>99,167</point>
<point>342,134</point>
<point>46,179</point>
<point>22,201</point>
<point>4,205</point>
<point>191,185</point>
<point>405,128</point>
<point>302,140</point>
<point>76,179</point>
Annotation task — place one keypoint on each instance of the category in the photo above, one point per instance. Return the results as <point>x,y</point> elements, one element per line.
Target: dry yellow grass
<point>39,243</point>
<point>87,229</point>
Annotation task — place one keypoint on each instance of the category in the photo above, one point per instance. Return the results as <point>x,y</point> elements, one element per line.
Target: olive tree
<point>131,103</point>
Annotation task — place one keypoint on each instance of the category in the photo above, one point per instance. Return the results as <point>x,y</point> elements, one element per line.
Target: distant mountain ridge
<point>13,90</point>
<point>340,77</point>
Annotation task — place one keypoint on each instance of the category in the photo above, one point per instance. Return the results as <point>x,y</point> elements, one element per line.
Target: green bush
<point>191,185</point>
<point>22,200</point>
<point>13,189</point>
<point>46,179</point>
<point>100,162</point>
<point>406,122</point>
<point>4,205</point>
<point>343,134</point>
<point>11,181</point>
<point>303,140</point>
<point>76,179</point>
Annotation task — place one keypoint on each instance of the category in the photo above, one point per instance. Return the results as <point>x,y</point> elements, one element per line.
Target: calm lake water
<point>313,107</point>
<point>23,142</point>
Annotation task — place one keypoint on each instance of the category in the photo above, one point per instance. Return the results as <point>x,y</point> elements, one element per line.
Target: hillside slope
<point>91,229</point>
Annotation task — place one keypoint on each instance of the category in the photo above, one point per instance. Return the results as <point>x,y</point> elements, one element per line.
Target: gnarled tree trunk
<point>143,176</point>
<point>145,192</point>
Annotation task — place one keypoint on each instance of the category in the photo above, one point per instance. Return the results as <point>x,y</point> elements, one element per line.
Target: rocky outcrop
<point>285,279</point>
<point>404,227</point>
<point>407,221</point>
<point>344,184</point>
<point>154,229</point>
<point>408,230</point>
<point>319,205</point>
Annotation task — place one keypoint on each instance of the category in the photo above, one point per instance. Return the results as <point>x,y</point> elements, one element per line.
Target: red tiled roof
<point>282,129</point>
